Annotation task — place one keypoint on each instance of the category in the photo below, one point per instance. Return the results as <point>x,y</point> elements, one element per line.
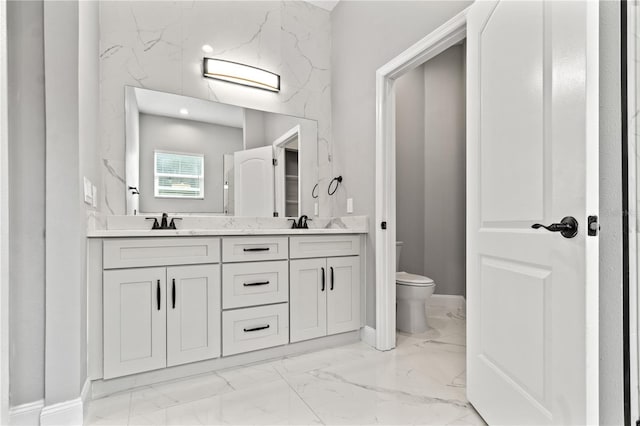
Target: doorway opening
<point>431,198</point>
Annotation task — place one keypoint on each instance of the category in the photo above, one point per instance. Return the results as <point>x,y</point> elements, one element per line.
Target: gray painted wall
<point>365,35</point>
<point>410,171</point>
<point>26,200</point>
<point>445,171</point>
<point>186,136</point>
<point>611,368</point>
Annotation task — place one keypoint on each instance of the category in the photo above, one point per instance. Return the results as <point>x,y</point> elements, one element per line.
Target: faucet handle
<point>172,225</point>
<point>156,225</point>
<point>294,225</point>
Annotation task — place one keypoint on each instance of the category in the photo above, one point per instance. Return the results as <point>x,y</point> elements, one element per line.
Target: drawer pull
<point>262,327</point>
<point>158,294</point>
<point>253,284</point>
<point>257,249</point>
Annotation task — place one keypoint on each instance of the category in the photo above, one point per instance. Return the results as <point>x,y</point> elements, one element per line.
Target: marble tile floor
<point>422,381</point>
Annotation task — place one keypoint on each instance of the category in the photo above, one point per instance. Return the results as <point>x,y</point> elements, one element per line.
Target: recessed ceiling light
<point>184,111</point>
<point>207,48</point>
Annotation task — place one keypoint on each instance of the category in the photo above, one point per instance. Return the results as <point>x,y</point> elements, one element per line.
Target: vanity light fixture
<point>246,75</point>
<point>184,111</point>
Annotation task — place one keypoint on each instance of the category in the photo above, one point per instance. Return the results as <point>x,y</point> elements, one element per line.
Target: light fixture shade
<point>246,75</point>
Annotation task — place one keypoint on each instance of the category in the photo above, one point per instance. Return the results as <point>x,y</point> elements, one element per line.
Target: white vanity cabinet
<point>195,303</point>
<point>157,317</point>
<point>324,293</point>
<point>193,313</point>
<point>134,321</point>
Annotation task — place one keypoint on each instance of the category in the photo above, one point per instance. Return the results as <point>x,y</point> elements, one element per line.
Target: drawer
<point>249,329</point>
<point>136,252</point>
<point>324,246</point>
<point>247,249</point>
<point>255,283</point>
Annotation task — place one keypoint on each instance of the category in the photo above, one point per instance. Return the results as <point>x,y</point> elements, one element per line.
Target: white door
<point>343,295</point>
<point>253,176</point>
<point>134,319</point>
<point>308,299</point>
<point>193,313</point>
<point>290,136</point>
<point>532,295</point>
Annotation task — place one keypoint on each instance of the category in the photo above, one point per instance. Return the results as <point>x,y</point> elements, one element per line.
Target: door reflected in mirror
<point>194,156</point>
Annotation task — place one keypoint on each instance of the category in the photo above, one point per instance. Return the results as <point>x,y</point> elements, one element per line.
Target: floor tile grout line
<point>301,398</point>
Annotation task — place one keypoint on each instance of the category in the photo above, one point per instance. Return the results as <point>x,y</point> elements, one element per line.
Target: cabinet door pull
<point>332,278</point>
<point>261,327</point>
<point>173,293</point>
<point>253,284</point>
<point>257,249</point>
<point>323,280</point>
<point>158,294</point>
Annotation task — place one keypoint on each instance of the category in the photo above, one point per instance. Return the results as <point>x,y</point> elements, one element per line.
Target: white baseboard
<point>86,391</point>
<point>26,414</point>
<point>63,413</point>
<point>368,335</point>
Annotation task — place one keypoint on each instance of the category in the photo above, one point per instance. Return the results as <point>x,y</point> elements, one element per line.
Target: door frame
<point>448,34</point>
<point>630,284</point>
<point>4,220</point>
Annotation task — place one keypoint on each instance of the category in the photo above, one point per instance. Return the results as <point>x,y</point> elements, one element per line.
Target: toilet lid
<point>406,278</point>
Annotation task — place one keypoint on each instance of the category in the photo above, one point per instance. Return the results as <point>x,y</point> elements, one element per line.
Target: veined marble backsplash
<point>355,223</point>
<point>158,45</point>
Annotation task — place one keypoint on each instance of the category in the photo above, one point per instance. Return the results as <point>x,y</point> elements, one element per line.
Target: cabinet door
<point>134,318</point>
<point>193,313</point>
<point>343,295</point>
<point>308,299</point>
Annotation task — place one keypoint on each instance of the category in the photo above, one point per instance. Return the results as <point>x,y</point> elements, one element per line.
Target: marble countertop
<point>138,226</point>
<point>113,233</point>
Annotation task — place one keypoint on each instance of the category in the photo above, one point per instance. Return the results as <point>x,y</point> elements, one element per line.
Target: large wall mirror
<point>193,156</point>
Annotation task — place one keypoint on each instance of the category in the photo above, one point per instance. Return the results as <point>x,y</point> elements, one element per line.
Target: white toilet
<point>412,292</point>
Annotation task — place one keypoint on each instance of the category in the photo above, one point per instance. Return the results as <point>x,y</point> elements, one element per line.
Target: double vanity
<point>168,304</point>
<point>228,282</point>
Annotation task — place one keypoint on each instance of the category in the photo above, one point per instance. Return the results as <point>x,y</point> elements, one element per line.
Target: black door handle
<point>568,227</point>
<point>331,279</point>
<point>322,288</point>
<point>173,293</point>
<point>257,249</point>
<point>158,294</point>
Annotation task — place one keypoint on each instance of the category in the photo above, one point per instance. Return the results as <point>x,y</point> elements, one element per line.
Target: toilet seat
<point>405,278</point>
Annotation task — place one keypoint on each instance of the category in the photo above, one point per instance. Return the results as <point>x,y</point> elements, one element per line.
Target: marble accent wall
<point>158,45</point>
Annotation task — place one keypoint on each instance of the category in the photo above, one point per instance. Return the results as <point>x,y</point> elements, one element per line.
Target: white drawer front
<point>248,329</point>
<point>324,246</point>
<point>135,252</point>
<point>246,249</point>
<point>256,283</point>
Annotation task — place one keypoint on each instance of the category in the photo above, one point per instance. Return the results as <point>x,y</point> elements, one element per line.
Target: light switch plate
<point>349,205</point>
<point>88,191</point>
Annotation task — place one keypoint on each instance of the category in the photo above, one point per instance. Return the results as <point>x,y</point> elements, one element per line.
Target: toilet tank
<point>399,245</point>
